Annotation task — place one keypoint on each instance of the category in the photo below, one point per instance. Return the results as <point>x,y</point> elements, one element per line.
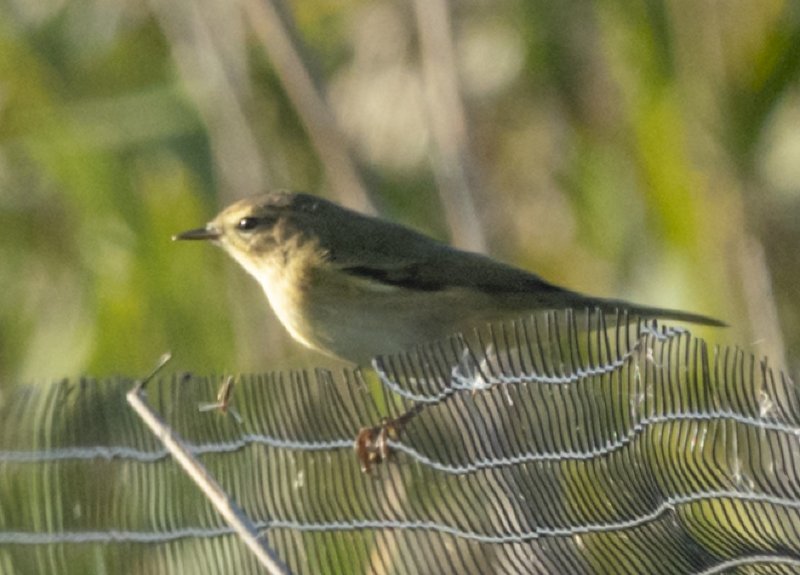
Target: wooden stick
<point>212,490</point>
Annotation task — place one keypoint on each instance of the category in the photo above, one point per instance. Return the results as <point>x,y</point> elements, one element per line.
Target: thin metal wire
<point>550,444</point>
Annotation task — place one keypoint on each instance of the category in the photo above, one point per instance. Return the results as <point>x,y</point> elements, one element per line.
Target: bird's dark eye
<point>247,224</point>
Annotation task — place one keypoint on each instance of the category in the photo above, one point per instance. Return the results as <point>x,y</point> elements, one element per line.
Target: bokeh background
<point>648,150</point>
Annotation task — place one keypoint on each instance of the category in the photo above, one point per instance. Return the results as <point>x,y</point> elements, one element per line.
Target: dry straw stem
<point>454,165</point>
<point>272,26</point>
<point>210,488</point>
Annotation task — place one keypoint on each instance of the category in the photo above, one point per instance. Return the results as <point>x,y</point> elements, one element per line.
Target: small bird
<point>354,286</point>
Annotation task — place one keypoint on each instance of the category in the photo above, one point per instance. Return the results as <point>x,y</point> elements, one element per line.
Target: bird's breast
<point>356,319</point>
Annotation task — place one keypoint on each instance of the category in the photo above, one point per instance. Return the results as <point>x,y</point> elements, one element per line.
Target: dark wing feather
<point>398,256</point>
<point>407,277</point>
<point>450,268</point>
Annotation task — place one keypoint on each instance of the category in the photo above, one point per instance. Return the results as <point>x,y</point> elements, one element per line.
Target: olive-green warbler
<point>355,286</point>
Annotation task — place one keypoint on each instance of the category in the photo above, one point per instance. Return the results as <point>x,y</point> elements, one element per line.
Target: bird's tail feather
<point>647,312</point>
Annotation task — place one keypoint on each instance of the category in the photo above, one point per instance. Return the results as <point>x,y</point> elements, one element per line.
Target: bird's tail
<point>647,312</point>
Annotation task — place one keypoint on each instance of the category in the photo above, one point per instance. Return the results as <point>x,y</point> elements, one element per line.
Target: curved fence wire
<point>574,443</point>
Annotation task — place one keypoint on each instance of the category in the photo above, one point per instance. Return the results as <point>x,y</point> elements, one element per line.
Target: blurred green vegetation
<point>646,150</point>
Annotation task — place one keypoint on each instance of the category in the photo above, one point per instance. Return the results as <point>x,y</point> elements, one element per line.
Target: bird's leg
<point>372,443</point>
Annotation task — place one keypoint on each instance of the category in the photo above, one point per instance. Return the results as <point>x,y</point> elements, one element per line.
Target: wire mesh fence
<point>570,443</point>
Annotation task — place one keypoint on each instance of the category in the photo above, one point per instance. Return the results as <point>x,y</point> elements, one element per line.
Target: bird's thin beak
<point>206,233</point>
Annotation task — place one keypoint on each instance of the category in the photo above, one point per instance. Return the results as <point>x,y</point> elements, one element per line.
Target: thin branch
<point>454,165</point>
<point>760,300</point>
<point>274,29</point>
<point>210,488</point>
<point>207,52</point>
